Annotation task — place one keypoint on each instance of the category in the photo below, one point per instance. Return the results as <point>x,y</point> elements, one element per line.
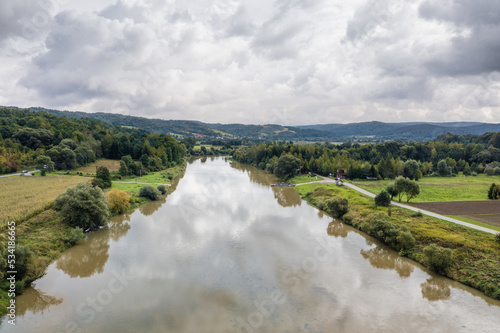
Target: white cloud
<point>287,61</point>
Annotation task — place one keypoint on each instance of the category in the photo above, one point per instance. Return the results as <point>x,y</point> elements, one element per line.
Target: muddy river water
<point>225,252</point>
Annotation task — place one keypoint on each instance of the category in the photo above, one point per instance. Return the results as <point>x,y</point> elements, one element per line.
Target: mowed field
<point>21,195</point>
<point>461,197</point>
<point>112,165</point>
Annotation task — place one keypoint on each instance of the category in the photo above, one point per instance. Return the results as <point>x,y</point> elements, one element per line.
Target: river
<point>225,252</point>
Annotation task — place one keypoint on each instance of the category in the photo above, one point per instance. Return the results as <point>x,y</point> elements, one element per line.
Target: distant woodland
<point>28,138</point>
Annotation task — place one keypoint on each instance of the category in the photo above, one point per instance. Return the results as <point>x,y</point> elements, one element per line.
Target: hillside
<point>186,128</point>
<point>404,131</point>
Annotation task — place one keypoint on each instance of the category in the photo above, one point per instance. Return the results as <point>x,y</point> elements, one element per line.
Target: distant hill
<point>186,128</point>
<point>367,131</point>
<point>404,131</point>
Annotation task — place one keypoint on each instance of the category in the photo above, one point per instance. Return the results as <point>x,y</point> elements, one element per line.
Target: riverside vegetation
<point>59,146</point>
<point>465,255</point>
<point>468,256</point>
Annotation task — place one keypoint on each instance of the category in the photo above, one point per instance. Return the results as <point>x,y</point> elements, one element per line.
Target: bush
<point>119,201</point>
<point>379,226</point>
<point>23,256</point>
<point>162,189</point>
<point>438,258</point>
<point>417,214</point>
<point>494,192</point>
<point>383,199</point>
<point>83,206</point>
<point>473,174</point>
<point>405,240</point>
<point>348,218</point>
<point>338,206</point>
<point>497,237</point>
<point>75,235</point>
<point>149,192</point>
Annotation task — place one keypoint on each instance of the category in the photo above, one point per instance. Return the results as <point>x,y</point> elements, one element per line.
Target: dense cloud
<point>287,61</point>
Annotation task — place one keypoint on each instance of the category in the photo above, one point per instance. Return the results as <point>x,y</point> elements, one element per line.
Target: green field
<point>436,189</point>
<point>300,179</point>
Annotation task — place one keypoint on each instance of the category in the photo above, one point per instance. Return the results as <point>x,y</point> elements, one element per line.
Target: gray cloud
<point>284,61</point>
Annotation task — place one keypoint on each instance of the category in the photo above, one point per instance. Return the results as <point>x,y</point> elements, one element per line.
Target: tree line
<point>470,155</point>
<point>43,139</point>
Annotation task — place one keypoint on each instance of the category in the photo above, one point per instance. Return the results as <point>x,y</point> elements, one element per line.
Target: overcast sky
<point>288,62</point>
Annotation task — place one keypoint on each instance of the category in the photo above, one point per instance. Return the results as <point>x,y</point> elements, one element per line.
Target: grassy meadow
<point>300,179</point>
<point>476,254</point>
<point>435,189</point>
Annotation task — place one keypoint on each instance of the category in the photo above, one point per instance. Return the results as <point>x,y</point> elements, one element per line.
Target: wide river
<point>226,252</point>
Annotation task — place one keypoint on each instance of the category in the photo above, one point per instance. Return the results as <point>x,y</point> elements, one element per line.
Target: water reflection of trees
<point>436,289</point>
<point>35,301</point>
<point>385,258</point>
<point>255,174</point>
<point>337,229</point>
<point>90,256</point>
<point>286,196</point>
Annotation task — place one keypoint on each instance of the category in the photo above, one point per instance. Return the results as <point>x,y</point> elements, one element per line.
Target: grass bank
<point>41,227</point>
<point>476,255</point>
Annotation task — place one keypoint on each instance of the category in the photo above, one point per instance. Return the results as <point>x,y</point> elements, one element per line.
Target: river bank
<point>43,231</point>
<point>476,255</point>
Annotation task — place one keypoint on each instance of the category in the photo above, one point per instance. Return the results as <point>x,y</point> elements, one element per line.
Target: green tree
<point>83,206</point>
<point>391,189</point>
<point>410,168</point>
<point>44,162</point>
<point>383,199</point>
<point>338,206</point>
<point>412,190</point>
<point>490,191</point>
<point>287,166</point>
<point>103,177</point>
<point>443,169</point>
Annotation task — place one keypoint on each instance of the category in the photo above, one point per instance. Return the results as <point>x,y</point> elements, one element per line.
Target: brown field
<point>21,195</point>
<point>482,211</point>
<point>112,165</point>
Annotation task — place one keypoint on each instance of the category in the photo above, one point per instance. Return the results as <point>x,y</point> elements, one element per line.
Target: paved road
<point>425,212</point>
<point>18,174</point>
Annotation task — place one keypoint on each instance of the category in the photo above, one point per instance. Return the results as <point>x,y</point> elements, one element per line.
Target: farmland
<point>22,195</point>
<point>112,165</point>
<point>438,189</point>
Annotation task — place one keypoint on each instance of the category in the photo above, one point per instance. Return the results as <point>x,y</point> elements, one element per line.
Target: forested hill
<point>186,128</point>
<point>404,131</point>
<point>66,143</point>
<point>365,131</point>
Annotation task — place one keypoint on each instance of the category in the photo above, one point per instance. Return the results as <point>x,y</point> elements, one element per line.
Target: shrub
<point>497,237</point>
<point>348,218</point>
<point>23,256</point>
<point>119,201</point>
<point>149,192</point>
<point>438,258</point>
<point>338,206</point>
<point>162,189</point>
<point>405,240</point>
<point>83,206</point>
<point>383,199</point>
<point>473,174</point>
<point>379,226</point>
<point>494,192</point>
<point>417,214</point>
<point>75,235</point>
